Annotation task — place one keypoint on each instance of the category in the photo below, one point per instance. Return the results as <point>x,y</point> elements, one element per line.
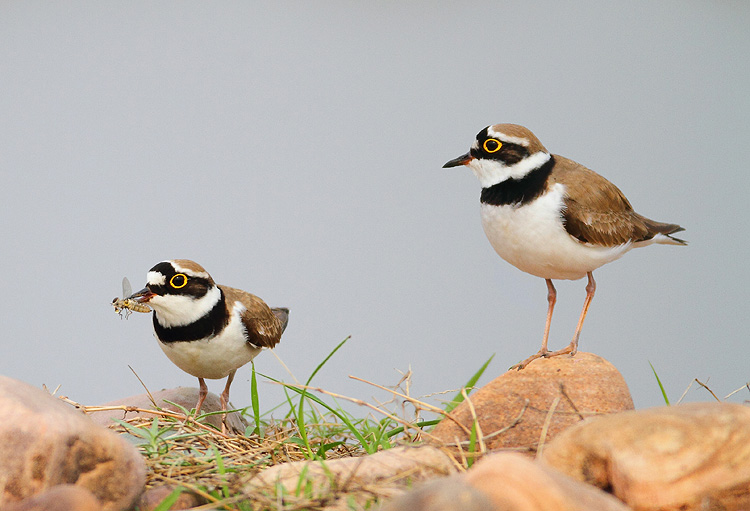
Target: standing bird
<point>552,217</point>
<point>208,330</point>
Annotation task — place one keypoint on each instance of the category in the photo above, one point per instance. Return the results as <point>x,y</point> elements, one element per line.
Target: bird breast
<point>214,357</point>
<point>532,238</point>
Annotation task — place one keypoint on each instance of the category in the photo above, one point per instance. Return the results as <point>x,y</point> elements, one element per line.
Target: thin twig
<point>475,421</point>
<point>362,403</point>
<point>148,392</point>
<point>570,401</point>
<point>545,427</point>
<point>685,393</point>
<point>745,386</point>
<point>502,430</point>
<point>125,408</point>
<point>706,387</point>
<point>412,400</point>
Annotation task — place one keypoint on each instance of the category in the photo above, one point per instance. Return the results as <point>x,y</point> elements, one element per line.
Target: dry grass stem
<point>416,402</point>
<point>706,387</point>
<point>360,402</point>
<point>545,426</point>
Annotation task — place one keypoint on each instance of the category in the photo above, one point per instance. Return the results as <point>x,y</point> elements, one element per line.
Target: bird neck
<point>519,191</point>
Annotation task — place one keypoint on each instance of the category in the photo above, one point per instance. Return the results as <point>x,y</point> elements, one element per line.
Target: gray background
<point>294,149</point>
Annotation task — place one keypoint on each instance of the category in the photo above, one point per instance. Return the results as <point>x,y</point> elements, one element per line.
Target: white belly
<point>214,357</point>
<point>532,238</point>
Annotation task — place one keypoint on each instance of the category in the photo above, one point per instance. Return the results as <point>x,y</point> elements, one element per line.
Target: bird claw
<point>544,354</point>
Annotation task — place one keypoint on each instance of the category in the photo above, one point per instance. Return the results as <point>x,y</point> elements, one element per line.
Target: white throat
<point>180,310</point>
<point>492,172</point>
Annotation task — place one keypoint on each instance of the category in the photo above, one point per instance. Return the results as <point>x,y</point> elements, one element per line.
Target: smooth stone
<point>45,442</point>
<point>687,457</point>
<point>574,388</point>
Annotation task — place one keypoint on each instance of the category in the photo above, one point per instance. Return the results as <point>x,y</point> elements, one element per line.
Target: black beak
<point>464,159</point>
<point>143,295</point>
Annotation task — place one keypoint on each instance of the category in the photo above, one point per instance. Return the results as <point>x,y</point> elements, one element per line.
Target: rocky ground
<point>559,435</point>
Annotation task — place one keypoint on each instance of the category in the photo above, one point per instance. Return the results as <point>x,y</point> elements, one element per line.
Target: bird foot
<point>543,354</point>
<point>525,362</point>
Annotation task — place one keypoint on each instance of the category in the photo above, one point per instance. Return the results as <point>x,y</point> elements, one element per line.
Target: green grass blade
<point>459,397</point>
<point>663,392</point>
<point>170,499</point>
<point>472,445</point>
<point>320,366</point>
<point>300,410</point>
<point>338,413</point>
<point>255,400</point>
<point>420,424</point>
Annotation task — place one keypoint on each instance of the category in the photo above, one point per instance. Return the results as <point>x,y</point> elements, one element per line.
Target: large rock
<point>187,397</point>
<point>65,497</point>
<point>562,389</point>
<point>505,482</point>
<point>513,481</point>
<point>44,443</point>
<point>444,494</point>
<point>389,472</point>
<point>687,457</point>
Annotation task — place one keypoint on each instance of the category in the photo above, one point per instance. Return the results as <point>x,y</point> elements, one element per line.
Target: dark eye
<point>491,145</point>
<point>178,281</point>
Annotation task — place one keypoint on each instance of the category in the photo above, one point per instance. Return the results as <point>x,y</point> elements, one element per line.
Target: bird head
<point>501,152</point>
<point>179,291</point>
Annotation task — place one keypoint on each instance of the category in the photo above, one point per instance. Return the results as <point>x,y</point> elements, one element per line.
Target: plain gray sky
<point>294,149</point>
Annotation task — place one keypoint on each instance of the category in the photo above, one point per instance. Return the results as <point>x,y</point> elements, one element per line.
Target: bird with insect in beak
<point>552,217</point>
<point>208,330</point>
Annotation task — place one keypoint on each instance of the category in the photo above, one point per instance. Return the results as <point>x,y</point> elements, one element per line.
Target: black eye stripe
<point>179,283</point>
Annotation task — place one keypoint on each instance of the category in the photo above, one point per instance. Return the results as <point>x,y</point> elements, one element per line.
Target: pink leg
<point>551,300</point>
<point>590,290</point>
<point>225,401</point>
<point>543,351</point>
<point>202,393</point>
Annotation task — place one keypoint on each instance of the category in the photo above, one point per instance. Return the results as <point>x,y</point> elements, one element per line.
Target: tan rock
<point>186,397</point>
<point>65,497</point>
<point>506,482</point>
<point>445,494</point>
<point>390,472</point>
<point>687,457</point>
<point>513,481</point>
<point>512,409</point>
<point>45,442</point>
<point>152,497</point>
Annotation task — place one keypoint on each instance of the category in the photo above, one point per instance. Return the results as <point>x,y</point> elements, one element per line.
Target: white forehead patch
<point>155,278</point>
<point>507,138</point>
<point>191,273</point>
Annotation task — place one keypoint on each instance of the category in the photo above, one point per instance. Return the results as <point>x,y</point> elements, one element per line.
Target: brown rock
<point>512,409</point>
<point>45,442</point>
<point>186,397</point>
<point>65,497</point>
<point>152,497</point>
<point>505,482</point>
<point>687,457</point>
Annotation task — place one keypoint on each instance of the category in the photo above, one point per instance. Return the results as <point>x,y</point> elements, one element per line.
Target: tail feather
<point>666,230</point>
<point>282,313</point>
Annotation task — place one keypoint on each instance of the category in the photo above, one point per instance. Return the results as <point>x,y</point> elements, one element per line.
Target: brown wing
<point>596,211</point>
<point>264,328</point>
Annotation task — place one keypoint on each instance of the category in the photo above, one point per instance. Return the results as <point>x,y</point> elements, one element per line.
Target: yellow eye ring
<point>178,286</point>
<point>491,145</point>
